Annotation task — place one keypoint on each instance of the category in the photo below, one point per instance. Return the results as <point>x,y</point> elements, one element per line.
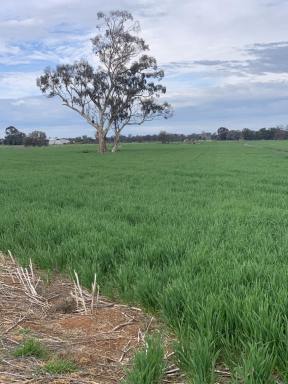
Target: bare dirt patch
<point>101,342</point>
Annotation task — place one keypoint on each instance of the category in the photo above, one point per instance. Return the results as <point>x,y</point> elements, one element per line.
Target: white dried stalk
<point>94,287</point>
<point>75,295</point>
<point>93,292</point>
<point>82,297</point>
<point>11,257</point>
<point>27,280</point>
<point>141,336</point>
<point>31,270</point>
<point>79,292</point>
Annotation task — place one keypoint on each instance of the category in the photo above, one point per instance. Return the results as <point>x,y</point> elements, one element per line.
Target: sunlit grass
<point>196,233</point>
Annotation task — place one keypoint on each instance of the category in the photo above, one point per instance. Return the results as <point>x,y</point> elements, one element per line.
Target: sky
<point>225,61</point>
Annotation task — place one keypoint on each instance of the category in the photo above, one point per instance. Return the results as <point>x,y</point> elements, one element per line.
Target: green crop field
<point>197,234</point>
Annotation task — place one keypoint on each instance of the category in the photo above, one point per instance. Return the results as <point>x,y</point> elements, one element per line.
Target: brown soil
<point>101,343</point>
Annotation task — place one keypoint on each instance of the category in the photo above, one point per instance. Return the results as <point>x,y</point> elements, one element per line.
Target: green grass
<point>34,348</point>
<point>31,348</point>
<point>196,355</point>
<point>148,365</point>
<point>59,366</point>
<point>196,233</point>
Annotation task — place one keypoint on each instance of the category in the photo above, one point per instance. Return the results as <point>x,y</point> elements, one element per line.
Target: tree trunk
<point>116,142</point>
<point>102,142</point>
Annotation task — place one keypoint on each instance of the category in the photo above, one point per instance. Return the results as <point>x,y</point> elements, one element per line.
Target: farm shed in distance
<point>58,141</point>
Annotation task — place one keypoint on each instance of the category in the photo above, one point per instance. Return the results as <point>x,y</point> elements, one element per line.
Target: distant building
<point>58,141</point>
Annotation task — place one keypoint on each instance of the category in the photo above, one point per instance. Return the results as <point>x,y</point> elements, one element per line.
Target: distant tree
<point>36,139</point>
<point>280,133</point>
<point>83,140</point>
<point>122,91</point>
<point>13,136</point>
<point>87,140</point>
<point>248,134</point>
<point>264,134</point>
<point>222,133</point>
<point>164,137</point>
<point>205,135</point>
<point>234,135</point>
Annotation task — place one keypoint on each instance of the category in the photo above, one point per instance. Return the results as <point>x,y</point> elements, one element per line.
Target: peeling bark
<point>102,142</point>
<point>116,142</point>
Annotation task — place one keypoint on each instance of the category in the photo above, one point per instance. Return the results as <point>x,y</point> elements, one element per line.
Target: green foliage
<point>196,233</point>
<point>148,366</point>
<point>13,136</point>
<point>197,356</point>
<point>59,366</point>
<point>256,366</point>
<point>31,347</point>
<point>36,139</point>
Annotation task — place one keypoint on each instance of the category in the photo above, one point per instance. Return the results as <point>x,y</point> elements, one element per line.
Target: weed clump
<point>59,366</point>
<point>29,348</point>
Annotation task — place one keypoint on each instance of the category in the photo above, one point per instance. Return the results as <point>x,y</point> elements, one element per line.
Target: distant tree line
<point>163,137</point>
<point>274,133</point>
<point>15,137</point>
<point>38,138</point>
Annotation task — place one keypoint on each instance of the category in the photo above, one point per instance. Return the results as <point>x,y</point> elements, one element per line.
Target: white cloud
<point>17,102</point>
<point>18,23</point>
<point>18,84</point>
<point>36,33</point>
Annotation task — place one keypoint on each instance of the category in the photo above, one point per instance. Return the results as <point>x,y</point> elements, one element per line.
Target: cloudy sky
<point>226,61</point>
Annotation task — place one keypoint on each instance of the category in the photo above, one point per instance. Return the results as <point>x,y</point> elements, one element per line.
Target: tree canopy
<point>123,88</point>
<point>36,139</point>
<point>13,136</point>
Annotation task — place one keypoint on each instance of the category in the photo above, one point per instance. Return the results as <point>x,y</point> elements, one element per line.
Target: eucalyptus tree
<point>13,136</point>
<point>36,139</point>
<point>121,89</point>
